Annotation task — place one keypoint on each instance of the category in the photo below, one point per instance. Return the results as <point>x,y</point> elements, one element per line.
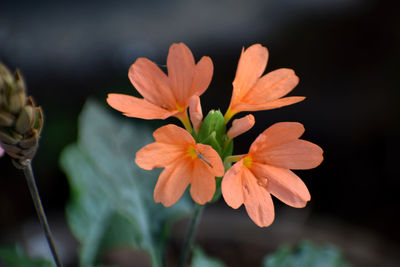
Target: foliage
<point>15,257</point>
<point>200,259</point>
<point>306,255</point>
<point>111,198</point>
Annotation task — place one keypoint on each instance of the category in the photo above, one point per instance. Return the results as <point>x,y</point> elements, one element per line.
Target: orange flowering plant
<point>201,154</point>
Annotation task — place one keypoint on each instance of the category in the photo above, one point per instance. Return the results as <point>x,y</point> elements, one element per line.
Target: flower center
<point>180,108</point>
<point>192,152</point>
<point>247,161</point>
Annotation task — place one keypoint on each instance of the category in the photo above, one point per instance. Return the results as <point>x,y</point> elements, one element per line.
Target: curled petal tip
<point>240,126</point>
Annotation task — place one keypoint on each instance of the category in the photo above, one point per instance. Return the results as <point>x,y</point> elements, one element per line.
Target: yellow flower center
<point>247,161</point>
<point>192,152</point>
<point>180,108</point>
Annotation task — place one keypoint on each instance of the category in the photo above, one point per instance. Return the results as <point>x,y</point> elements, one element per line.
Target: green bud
<point>212,130</point>
<point>6,78</point>
<point>20,120</point>
<point>25,120</point>
<point>213,122</point>
<point>19,82</point>
<point>212,141</point>
<point>16,102</point>
<point>6,119</point>
<point>39,120</point>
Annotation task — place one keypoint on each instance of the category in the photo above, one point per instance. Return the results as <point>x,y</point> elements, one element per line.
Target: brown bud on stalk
<point>20,120</point>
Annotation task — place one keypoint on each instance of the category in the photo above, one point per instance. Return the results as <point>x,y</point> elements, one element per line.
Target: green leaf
<point>306,255</point>
<point>111,197</point>
<point>15,257</point>
<point>200,259</point>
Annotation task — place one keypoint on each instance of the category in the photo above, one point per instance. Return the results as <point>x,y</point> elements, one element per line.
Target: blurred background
<point>346,53</point>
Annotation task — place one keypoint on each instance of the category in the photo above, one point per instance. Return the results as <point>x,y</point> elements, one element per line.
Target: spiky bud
<point>21,120</point>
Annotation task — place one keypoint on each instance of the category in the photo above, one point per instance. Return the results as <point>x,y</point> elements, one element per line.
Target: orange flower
<point>266,170</point>
<point>165,96</point>
<point>185,163</point>
<point>251,92</point>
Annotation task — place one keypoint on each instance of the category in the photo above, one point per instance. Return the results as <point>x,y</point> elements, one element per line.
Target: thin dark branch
<point>40,211</point>
<point>188,243</point>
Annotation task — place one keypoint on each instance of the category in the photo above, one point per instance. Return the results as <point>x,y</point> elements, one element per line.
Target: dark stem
<point>188,243</point>
<point>39,209</point>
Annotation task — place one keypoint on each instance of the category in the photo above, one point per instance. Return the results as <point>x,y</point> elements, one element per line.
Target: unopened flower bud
<point>25,120</point>
<point>6,77</point>
<point>20,120</point>
<point>6,119</point>
<point>16,101</point>
<point>212,130</point>
<point>19,81</point>
<point>196,114</point>
<point>39,120</point>
<point>240,126</point>
<point>213,122</point>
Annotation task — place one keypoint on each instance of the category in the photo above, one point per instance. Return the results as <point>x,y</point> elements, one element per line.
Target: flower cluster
<point>201,154</point>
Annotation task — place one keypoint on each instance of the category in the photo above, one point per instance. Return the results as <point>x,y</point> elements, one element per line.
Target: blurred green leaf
<point>15,257</point>
<point>111,197</point>
<point>200,259</point>
<point>306,255</point>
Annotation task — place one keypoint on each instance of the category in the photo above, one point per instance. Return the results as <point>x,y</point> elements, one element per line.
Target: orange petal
<point>157,155</point>
<point>277,134</point>
<point>257,200</point>
<point>241,125</point>
<point>196,114</point>
<point>152,83</point>
<point>181,70</point>
<point>138,108</point>
<point>271,86</point>
<point>211,159</point>
<point>286,101</point>
<point>203,186</point>
<point>283,184</point>
<point>251,65</point>
<point>172,183</point>
<point>202,76</point>
<point>172,134</point>
<point>232,186</point>
<point>295,155</point>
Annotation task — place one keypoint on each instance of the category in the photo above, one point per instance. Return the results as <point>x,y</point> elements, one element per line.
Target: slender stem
<point>40,212</point>
<point>188,243</point>
<point>184,118</point>
<point>228,115</point>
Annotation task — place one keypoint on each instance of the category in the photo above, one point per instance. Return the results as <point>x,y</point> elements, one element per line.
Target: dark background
<point>346,54</point>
